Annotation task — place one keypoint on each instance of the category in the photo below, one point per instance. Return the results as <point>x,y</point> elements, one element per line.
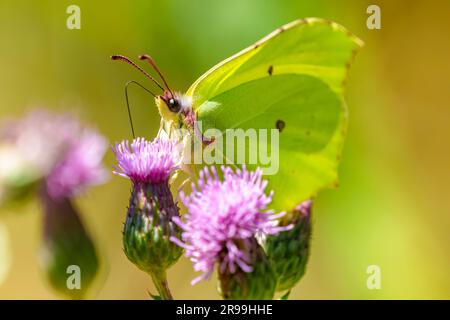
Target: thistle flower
<point>54,156</point>
<point>147,162</point>
<point>223,220</point>
<point>50,147</point>
<point>30,148</point>
<point>80,168</point>
<point>148,226</point>
<point>41,138</point>
<point>289,251</point>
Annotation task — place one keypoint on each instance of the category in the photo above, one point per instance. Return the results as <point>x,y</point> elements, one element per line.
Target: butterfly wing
<point>291,80</point>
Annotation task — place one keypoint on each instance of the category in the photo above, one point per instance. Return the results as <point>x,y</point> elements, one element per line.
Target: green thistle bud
<point>148,228</point>
<point>68,255</point>
<point>259,284</point>
<point>288,251</point>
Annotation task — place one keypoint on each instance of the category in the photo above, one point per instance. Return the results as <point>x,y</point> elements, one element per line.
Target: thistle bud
<point>68,255</point>
<point>223,221</point>
<point>259,284</point>
<point>289,251</point>
<point>149,226</point>
<point>54,156</point>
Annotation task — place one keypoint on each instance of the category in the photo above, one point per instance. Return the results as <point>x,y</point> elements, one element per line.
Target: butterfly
<point>292,81</point>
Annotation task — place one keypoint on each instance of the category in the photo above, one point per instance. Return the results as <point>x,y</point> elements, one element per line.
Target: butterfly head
<point>174,107</point>
<point>171,101</point>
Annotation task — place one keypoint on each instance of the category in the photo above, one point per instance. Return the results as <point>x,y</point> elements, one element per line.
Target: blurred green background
<point>392,207</point>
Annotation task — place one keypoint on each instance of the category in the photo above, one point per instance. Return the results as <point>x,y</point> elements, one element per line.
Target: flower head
<point>304,208</point>
<point>54,148</point>
<point>41,138</point>
<point>81,166</point>
<point>148,226</point>
<point>223,219</point>
<point>147,161</point>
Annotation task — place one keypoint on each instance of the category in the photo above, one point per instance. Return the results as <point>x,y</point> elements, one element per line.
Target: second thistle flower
<point>224,218</point>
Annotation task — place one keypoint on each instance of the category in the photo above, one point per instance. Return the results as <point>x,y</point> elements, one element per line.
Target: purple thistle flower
<point>59,157</point>
<point>304,208</point>
<point>148,226</point>
<point>80,168</point>
<point>223,219</point>
<point>41,138</point>
<point>147,161</point>
<point>57,149</point>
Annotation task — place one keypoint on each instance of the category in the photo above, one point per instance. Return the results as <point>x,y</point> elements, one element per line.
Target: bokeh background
<point>392,208</point>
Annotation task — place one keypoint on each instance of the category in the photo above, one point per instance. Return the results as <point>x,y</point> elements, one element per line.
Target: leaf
<point>286,295</point>
<point>154,296</point>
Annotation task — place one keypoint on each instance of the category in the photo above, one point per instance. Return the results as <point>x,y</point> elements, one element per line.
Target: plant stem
<point>160,281</point>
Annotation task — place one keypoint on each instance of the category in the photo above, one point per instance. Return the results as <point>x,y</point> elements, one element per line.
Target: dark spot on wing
<point>280,124</point>
<point>270,70</point>
<point>281,29</point>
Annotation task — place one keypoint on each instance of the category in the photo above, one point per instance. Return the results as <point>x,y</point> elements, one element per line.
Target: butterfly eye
<point>174,106</point>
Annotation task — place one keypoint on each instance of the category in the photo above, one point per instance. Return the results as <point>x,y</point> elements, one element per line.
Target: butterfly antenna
<point>153,64</point>
<point>123,58</point>
<point>128,103</point>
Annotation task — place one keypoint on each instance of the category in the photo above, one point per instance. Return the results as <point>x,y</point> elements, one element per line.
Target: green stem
<point>162,286</point>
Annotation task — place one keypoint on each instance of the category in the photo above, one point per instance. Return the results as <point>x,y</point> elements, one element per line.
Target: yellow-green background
<point>392,207</point>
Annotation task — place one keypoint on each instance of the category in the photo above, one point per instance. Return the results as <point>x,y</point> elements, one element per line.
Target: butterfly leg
<point>205,140</point>
<point>180,187</point>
